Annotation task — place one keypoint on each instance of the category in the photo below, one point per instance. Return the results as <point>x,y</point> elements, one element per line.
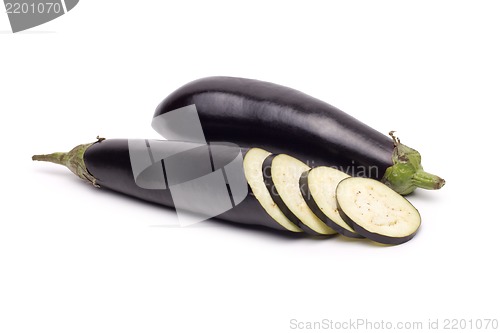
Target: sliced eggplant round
<point>252,165</point>
<point>282,177</point>
<point>268,181</point>
<point>377,212</point>
<point>318,188</point>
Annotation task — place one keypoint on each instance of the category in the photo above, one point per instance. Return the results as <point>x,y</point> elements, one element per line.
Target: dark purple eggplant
<point>253,113</point>
<point>107,164</point>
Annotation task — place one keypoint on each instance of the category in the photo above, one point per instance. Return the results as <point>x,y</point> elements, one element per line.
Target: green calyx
<point>73,160</point>
<point>406,174</point>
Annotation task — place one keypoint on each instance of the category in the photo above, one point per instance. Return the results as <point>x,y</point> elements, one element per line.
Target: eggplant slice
<point>252,165</point>
<point>376,211</point>
<point>318,187</point>
<point>283,182</point>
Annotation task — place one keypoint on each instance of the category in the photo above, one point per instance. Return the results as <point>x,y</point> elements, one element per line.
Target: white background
<point>77,259</point>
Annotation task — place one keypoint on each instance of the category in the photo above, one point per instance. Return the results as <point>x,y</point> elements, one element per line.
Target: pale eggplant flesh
<point>318,187</point>
<point>376,212</point>
<point>252,164</point>
<point>282,177</point>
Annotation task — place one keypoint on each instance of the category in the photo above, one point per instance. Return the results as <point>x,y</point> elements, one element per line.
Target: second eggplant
<point>279,119</point>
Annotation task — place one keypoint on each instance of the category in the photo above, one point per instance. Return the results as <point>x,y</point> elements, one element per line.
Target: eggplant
<point>282,192</point>
<point>318,187</point>
<point>245,156</point>
<point>282,120</point>
<point>377,212</point>
<point>108,164</point>
<point>281,176</point>
<point>252,164</point>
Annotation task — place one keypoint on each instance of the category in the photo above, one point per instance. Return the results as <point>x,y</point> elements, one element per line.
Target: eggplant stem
<point>73,160</point>
<point>406,174</point>
<point>57,158</point>
<point>427,180</point>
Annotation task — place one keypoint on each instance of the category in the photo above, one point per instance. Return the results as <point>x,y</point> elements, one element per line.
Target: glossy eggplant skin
<point>109,162</point>
<point>253,113</point>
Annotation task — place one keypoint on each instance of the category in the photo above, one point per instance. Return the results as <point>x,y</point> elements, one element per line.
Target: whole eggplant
<point>279,119</point>
<point>107,164</point>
